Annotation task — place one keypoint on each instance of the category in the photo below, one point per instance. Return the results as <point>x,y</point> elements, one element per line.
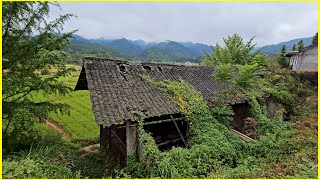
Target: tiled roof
<point>117,88</point>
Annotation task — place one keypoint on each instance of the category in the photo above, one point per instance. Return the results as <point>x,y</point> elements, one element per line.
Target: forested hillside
<point>167,51</point>
<point>275,49</point>
<point>136,50</point>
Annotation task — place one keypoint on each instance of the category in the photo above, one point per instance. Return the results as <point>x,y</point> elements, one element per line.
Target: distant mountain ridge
<point>275,49</point>
<point>139,50</point>
<point>167,51</point>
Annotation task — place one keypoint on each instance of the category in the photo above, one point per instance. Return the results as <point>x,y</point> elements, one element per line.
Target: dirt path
<point>55,126</point>
<point>90,150</point>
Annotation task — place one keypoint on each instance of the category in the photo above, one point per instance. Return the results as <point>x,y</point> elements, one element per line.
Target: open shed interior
<point>169,133</point>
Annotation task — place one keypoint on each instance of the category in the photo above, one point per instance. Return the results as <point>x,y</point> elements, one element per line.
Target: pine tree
<point>282,60</point>
<point>300,45</point>
<point>294,47</point>
<point>315,39</point>
<point>283,50</point>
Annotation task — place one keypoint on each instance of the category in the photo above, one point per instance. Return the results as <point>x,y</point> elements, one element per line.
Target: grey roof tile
<point>115,94</point>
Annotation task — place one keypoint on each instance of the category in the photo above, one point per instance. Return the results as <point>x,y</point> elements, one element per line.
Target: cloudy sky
<point>207,23</point>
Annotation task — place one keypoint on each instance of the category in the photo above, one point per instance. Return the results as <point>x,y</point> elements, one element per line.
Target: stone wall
<point>274,109</point>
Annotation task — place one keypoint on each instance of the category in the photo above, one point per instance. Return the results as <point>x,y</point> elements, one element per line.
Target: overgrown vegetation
<point>36,86</point>
<point>212,150</point>
<point>51,157</point>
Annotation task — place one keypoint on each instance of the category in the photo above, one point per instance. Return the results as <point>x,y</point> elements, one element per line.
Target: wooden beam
<point>169,141</point>
<point>162,121</point>
<point>154,122</point>
<point>175,123</point>
<point>242,136</point>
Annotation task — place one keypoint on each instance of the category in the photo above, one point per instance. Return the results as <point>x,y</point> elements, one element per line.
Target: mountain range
<point>167,51</point>
<point>137,50</point>
<point>276,48</point>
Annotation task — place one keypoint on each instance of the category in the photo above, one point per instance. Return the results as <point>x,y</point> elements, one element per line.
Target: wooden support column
<point>108,137</point>
<point>131,138</point>
<point>103,138</point>
<point>175,123</point>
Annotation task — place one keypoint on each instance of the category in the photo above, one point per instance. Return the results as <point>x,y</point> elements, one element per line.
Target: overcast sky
<point>207,23</point>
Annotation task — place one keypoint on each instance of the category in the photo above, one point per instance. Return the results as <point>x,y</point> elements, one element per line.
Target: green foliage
<point>236,64</point>
<point>39,161</point>
<point>51,157</point>
<point>234,52</point>
<point>45,72</point>
<point>248,75</point>
<point>283,49</point>
<point>211,145</point>
<point>256,74</point>
<point>24,55</point>
<point>222,114</point>
<point>35,168</point>
<point>223,72</point>
<point>294,48</point>
<point>315,39</point>
<point>300,45</point>
<point>79,121</point>
<point>171,51</point>
<point>212,150</point>
<point>282,60</point>
<point>79,51</point>
<point>260,77</point>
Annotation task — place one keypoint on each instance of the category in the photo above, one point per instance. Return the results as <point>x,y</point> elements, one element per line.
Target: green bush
<point>45,72</point>
<point>35,168</point>
<point>212,150</point>
<point>43,159</point>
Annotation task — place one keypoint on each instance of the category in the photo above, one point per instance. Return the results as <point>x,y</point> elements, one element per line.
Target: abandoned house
<point>117,90</point>
<point>305,62</point>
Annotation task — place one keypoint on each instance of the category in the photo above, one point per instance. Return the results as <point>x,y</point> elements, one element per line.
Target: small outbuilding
<point>118,90</point>
<point>304,60</point>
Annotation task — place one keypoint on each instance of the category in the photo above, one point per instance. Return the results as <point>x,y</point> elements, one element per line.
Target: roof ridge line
<point>141,63</point>
<point>105,59</point>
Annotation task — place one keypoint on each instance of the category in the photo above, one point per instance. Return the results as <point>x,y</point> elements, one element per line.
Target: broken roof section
<point>117,88</point>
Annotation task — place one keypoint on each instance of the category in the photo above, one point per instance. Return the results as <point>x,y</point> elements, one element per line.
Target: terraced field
<point>79,123</point>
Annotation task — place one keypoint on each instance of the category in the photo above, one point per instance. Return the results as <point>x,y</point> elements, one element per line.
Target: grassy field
<point>79,123</point>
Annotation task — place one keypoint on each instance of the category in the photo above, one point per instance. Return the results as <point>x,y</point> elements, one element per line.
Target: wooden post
<point>103,138</point>
<point>184,141</point>
<point>131,138</point>
<point>108,137</point>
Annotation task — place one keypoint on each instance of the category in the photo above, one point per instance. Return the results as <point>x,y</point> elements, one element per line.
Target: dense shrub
<point>212,150</point>
<point>44,159</point>
<point>35,168</point>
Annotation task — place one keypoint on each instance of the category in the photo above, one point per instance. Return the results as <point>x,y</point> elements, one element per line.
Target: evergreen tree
<point>315,39</point>
<point>300,45</point>
<point>282,60</point>
<point>283,50</point>
<point>30,45</point>
<point>294,48</point>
